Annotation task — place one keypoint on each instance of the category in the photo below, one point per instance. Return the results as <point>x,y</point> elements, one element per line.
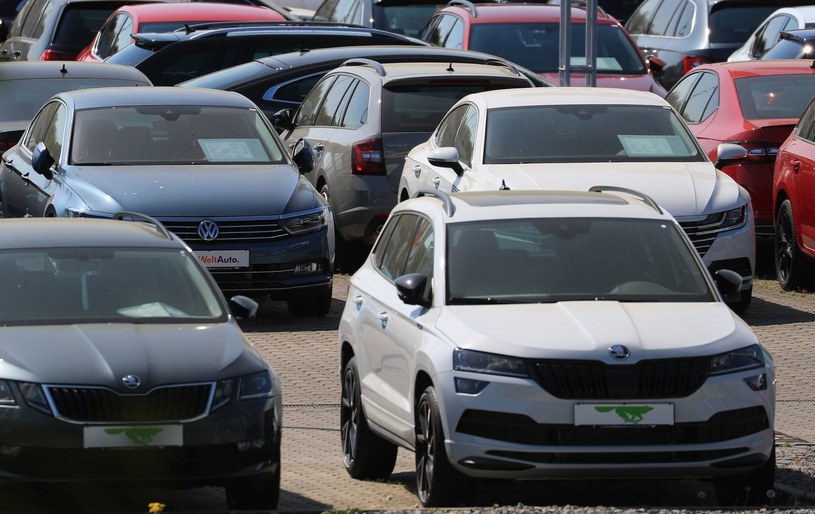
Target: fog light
<point>469,386</point>
<point>248,446</point>
<point>309,267</point>
<point>757,382</point>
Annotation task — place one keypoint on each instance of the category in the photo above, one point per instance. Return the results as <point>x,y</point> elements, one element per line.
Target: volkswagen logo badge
<point>208,230</point>
<point>619,351</point>
<point>131,381</point>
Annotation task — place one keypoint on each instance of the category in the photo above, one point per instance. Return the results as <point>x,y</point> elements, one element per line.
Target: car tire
<point>753,489</point>
<point>438,483</point>
<point>790,265</point>
<point>365,454</point>
<point>316,306</point>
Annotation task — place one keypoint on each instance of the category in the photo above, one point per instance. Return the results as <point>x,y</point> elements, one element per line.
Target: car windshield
<point>733,22</point>
<point>571,259</point>
<point>535,46</point>
<point>23,97</point>
<point>173,134</point>
<point>587,133</point>
<point>104,285</point>
<point>777,96</point>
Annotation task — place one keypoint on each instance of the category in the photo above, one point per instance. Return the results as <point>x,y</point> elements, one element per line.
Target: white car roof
<point>481,205</point>
<point>567,96</point>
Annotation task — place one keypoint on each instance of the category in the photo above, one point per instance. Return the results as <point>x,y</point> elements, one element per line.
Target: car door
<point>26,192</point>
<point>390,330</point>
<point>800,157</point>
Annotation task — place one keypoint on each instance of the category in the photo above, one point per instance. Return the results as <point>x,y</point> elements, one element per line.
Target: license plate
<point>624,414</point>
<point>133,436</point>
<point>224,258</point>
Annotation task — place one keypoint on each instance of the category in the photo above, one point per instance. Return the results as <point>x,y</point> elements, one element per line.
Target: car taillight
<point>368,158</point>
<point>55,55</point>
<point>689,62</point>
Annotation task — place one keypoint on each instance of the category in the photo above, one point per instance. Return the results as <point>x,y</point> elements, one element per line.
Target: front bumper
<point>514,429</point>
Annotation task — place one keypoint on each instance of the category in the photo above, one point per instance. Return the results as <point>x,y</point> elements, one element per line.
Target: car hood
<point>586,330</point>
<point>102,354</point>
<point>209,190</point>
<point>682,188</point>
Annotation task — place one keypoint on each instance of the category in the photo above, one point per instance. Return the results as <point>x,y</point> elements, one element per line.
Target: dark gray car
<point>206,163</point>
<point>120,361</point>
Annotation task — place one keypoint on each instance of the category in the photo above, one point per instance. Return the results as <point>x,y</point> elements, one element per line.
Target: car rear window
<point>420,107</point>
<point>80,22</point>
<point>781,96</point>
<point>402,18</point>
<point>536,46</point>
<point>733,23</point>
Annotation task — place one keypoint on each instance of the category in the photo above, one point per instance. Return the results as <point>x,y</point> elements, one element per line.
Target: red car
<point>793,205</point>
<point>754,104</point>
<point>116,32</point>
<point>529,35</point>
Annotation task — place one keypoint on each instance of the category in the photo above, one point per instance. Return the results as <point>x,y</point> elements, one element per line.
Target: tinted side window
<point>335,95</point>
<point>177,67</point>
<point>308,109</point>
<point>40,125</point>
<point>325,10</point>
<point>393,259</point>
<point>420,254</point>
<point>768,36</point>
<point>39,27</point>
<point>806,127</point>
<point>662,18</point>
<point>356,114</point>
<point>703,100</point>
<point>382,242</point>
<point>455,38</point>
<point>23,23</point>
<point>446,133</point>
<point>465,137</point>
<point>294,91</point>
<point>681,91</point>
<point>55,132</point>
<point>123,36</point>
<point>639,21</point>
<point>443,29</point>
<point>430,32</point>
<point>684,22</point>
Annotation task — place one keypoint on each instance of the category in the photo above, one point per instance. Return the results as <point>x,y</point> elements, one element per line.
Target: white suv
<point>574,138</point>
<point>550,334</point>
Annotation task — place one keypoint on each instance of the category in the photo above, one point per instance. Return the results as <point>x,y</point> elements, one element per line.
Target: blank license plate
<point>624,414</point>
<point>133,436</point>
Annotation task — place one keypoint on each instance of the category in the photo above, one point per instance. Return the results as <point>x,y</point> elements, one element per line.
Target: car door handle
<point>383,318</point>
<point>795,164</point>
<point>435,181</point>
<point>417,170</point>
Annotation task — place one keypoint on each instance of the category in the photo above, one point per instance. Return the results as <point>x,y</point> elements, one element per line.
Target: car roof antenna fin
<point>188,29</point>
<point>504,186</point>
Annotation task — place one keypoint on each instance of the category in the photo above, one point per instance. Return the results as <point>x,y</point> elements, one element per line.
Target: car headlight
<point>80,213</point>
<point>223,393</point>
<point>303,223</point>
<point>734,217</point>
<point>258,385</point>
<point>493,364</point>
<point>34,396</point>
<point>749,357</point>
<point>6,398</point>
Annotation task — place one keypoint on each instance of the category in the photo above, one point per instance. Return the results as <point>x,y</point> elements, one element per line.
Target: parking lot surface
<point>304,352</point>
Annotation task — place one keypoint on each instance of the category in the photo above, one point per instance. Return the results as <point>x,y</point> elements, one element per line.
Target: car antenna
<point>188,29</point>
<point>64,70</point>
<point>504,186</point>
<point>450,67</point>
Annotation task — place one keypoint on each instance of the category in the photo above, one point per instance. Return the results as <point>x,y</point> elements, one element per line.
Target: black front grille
<point>521,429</point>
<point>703,232</point>
<point>595,380</point>
<point>232,230</point>
<point>99,405</point>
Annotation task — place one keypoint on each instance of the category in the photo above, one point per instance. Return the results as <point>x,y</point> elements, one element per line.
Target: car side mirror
<point>446,157</point>
<point>728,153</point>
<point>303,155</point>
<point>282,120</point>
<point>411,287</point>
<point>243,307</point>
<point>729,284</point>
<point>41,161</point>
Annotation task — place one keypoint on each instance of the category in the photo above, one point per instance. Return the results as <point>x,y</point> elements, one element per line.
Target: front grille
<point>267,278</point>
<point>595,380</point>
<point>100,405</point>
<point>703,233</point>
<point>233,230</point>
<point>521,429</point>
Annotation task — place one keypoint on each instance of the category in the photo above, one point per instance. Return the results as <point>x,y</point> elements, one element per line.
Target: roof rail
<point>441,195</point>
<point>467,5</point>
<point>136,216</point>
<point>362,61</point>
<point>188,28</point>
<point>642,196</point>
<point>501,62</point>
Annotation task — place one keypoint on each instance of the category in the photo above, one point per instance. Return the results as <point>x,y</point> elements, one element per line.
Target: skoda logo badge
<point>619,351</point>
<point>131,381</point>
<point>208,230</point>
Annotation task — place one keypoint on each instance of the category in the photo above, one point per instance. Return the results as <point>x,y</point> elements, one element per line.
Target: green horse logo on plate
<point>139,436</point>
<point>630,414</point>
